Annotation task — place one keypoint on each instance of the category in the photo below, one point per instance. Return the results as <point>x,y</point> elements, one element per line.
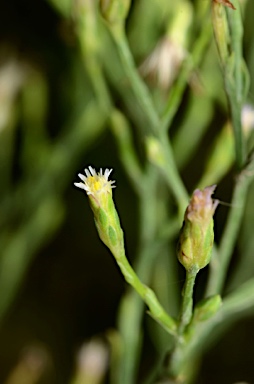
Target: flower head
<point>99,191</point>
<point>197,236</point>
<point>163,64</point>
<point>96,184</point>
<point>247,118</point>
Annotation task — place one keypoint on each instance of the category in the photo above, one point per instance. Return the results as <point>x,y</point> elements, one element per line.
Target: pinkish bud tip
<point>202,206</point>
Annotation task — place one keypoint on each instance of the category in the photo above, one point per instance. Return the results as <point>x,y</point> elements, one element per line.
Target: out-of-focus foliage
<point>139,89</point>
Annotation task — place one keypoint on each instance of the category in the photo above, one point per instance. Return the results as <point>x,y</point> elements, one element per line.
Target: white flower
<point>92,361</point>
<point>163,64</point>
<point>96,183</point>
<point>99,191</point>
<point>247,118</point>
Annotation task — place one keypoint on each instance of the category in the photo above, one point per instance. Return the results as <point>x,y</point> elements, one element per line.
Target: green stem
<point>132,307</point>
<point>235,306</point>
<point>156,310</point>
<point>144,100</point>
<point>172,176</point>
<point>88,34</point>
<point>228,34</point>
<point>236,32</point>
<point>177,363</point>
<point>187,302</point>
<point>140,90</point>
<point>146,188</point>
<point>219,264</point>
<point>126,150</point>
<point>235,110</point>
<point>190,64</point>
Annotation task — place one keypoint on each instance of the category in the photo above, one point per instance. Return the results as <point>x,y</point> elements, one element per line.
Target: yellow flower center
<point>98,184</point>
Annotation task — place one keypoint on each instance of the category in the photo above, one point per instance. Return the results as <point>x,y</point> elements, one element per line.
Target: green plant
<point>190,333</point>
<point>167,81</point>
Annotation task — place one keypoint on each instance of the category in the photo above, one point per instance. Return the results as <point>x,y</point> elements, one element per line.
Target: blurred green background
<point>59,286</point>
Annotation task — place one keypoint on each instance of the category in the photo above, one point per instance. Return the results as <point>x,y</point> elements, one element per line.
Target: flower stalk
<point>228,32</point>
<point>187,301</point>
<point>99,191</point>
<point>195,245</point>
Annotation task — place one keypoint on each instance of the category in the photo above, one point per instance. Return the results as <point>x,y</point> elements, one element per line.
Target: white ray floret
<point>95,183</point>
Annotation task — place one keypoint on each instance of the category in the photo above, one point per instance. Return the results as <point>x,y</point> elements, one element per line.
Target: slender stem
<point>87,31</point>
<point>149,297</point>
<point>228,34</point>
<point>139,88</point>
<point>176,95</point>
<point>235,306</point>
<point>124,140</point>
<point>235,109</point>
<point>172,176</point>
<point>177,363</point>
<point>236,31</point>
<point>145,101</point>
<point>187,302</point>
<point>219,264</point>
<point>129,323</point>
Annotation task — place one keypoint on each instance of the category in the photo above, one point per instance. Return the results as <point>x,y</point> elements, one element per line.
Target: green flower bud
<point>99,191</point>
<point>206,308</point>
<point>197,236</point>
<point>221,30</point>
<point>114,11</point>
<point>155,151</point>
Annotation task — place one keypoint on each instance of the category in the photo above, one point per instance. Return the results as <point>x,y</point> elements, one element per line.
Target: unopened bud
<point>155,151</point>
<point>197,235</point>
<point>205,309</point>
<point>247,118</point>
<point>114,11</point>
